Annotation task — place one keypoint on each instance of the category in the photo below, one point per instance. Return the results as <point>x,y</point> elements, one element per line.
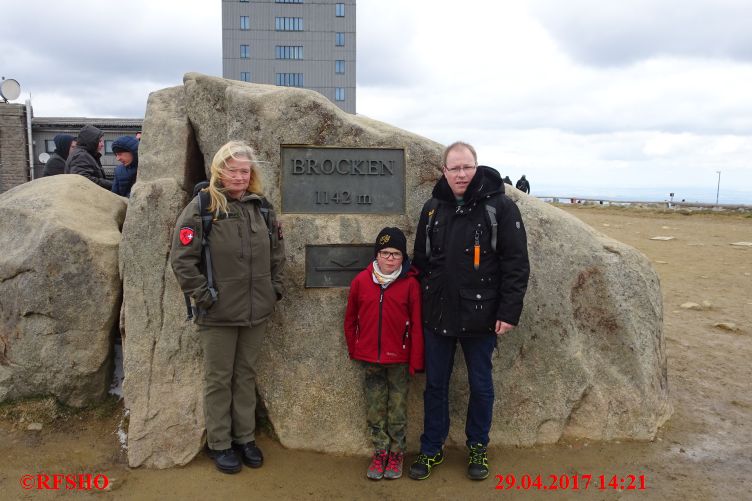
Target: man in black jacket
<point>64,144</point>
<point>523,184</point>
<point>471,248</point>
<point>84,159</point>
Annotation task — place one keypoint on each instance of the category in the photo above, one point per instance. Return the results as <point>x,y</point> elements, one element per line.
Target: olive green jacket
<point>247,267</point>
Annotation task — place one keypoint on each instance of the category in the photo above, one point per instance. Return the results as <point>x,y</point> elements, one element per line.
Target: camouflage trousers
<point>386,402</point>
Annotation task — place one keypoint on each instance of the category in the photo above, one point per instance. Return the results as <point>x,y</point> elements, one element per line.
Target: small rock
<point>691,306</point>
<point>707,305</point>
<point>726,326</point>
<point>661,238</point>
<point>606,224</point>
<point>682,451</point>
<point>743,244</point>
<point>661,262</point>
<point>34,427</point>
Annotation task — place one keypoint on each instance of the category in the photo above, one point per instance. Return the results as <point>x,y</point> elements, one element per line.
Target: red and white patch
<point>186,235</point>
<point>279,231</point>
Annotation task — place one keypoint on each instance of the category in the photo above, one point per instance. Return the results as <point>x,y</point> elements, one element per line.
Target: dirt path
<point>703,452</point>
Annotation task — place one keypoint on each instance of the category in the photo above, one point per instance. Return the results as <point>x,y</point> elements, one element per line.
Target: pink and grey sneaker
<point>378,462</point>
<point>394,465</point>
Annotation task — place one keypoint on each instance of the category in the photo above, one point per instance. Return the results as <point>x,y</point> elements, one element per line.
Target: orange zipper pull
<point>476,255</point>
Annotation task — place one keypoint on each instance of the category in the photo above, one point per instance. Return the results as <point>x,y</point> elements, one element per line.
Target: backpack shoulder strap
<point>206,226</point>
<point>203,200</point>
<point>491,212</point>
<point>433,204</point>
<point>265,208</point>
<point>203,210</point>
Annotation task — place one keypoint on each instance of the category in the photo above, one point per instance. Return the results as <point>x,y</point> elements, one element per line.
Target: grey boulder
<point>59,289</point>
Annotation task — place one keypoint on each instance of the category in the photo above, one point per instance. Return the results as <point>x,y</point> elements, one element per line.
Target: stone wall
<point>14,151</point>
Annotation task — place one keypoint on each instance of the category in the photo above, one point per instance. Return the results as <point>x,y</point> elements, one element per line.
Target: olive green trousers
<point>230,355</point>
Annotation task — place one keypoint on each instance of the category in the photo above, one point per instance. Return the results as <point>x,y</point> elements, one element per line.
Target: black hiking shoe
<point>477,467</point>
<point>250,454</point>
<point>423,464</point>
<point>225,460</point>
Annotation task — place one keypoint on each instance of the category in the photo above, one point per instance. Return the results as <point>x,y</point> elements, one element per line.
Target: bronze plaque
<point>335,265</point>
<point>321,180</point>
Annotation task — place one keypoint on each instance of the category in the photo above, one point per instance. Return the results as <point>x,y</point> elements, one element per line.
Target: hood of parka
<point>487,181</point>
<point>88,138</point>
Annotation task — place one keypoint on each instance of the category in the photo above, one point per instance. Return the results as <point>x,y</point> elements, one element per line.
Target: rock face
<point>588,359</point>
<point>162,356</point>
<point>59,288</point>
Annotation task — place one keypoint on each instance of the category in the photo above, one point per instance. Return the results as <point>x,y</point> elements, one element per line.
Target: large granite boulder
<point>588,359</point>
<point>162,355</point>
<point>59,289</point>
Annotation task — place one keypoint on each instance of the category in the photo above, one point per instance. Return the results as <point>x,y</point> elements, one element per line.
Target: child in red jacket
<point>383,330</point>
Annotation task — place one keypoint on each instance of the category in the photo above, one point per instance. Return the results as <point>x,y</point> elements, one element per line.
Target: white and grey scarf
<point>384,280</point>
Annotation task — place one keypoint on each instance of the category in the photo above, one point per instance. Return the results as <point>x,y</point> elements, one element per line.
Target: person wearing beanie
<point>125,149</point>
<point>64,144</point>
<point>85,157</point>
<point>384,335</point>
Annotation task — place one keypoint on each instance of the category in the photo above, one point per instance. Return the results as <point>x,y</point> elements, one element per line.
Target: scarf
<point>384,280</point>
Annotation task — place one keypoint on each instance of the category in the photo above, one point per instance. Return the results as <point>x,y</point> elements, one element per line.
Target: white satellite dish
<point>10,89</point>
<point>43,157</point>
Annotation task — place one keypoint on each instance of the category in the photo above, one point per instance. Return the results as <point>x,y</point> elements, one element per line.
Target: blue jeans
<point>439,353</point>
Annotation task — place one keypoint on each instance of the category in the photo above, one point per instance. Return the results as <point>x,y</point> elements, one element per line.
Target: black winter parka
<point>459,300</point>
<point>84,159</point>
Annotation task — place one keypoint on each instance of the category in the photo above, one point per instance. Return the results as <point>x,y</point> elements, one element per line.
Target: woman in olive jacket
<point>247,258</point>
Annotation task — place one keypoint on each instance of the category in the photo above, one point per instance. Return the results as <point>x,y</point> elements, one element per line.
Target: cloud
<point>601,33</point>
<point>106,59</point>
<point>579,93</point>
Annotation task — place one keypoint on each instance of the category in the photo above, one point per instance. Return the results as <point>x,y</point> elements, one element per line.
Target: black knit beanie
<point>391,237</point>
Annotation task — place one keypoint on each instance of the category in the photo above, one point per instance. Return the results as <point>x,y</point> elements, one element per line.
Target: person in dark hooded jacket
<point>125,149</point>
<point>471,248</point>
<point>523,184</point>
<point>64,143</point>
<point>84,159</point>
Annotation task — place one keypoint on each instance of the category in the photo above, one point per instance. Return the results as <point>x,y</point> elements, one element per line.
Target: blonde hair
<point>239,151</point>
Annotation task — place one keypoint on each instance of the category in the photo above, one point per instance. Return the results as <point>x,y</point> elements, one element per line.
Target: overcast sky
<point>580,95</point>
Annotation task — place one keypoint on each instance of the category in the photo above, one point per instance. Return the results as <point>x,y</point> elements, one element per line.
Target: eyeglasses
<point>461,168</point>
<point>390,255</point>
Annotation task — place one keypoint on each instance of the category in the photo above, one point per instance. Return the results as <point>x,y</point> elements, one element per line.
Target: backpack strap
<point>265,213</point>
<point>206,226</point>
<point>432,206</point>
<point>491,211</point>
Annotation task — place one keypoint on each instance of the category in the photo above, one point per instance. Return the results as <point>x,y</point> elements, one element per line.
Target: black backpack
<point>199,191</point>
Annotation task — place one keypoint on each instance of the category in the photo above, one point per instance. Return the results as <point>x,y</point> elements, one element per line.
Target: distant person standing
<point>507,180</point>
<point>84,159</point>
<point>523,184</point>
<point>64,144</point>
<point>125,149</point>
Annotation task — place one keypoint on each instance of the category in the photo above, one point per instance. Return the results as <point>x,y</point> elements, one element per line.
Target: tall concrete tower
<point>294,43</point>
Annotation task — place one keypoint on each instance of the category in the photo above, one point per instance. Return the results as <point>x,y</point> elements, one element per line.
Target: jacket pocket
<point>232,302</point>
<point>263,297</point>
<point>478,310</point>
